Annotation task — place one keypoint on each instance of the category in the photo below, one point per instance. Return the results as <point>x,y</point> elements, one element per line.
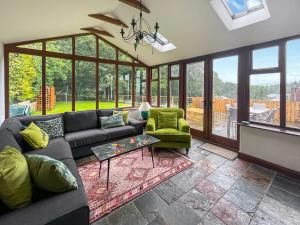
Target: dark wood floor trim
<point>270,165</point>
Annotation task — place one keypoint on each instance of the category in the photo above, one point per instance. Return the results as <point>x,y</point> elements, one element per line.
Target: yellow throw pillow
<point>124,114</point>
<point>35,136</point>
<point>15,184</point>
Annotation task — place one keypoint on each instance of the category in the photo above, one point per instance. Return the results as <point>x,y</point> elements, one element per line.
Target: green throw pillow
<point>124,114</point>
<point>112,121</point>
<point>35,136</point>
<point>167,120</point>
<point>50,174</point>
<point>15,185</point>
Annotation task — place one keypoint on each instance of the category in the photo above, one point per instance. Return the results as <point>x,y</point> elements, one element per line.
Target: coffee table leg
<point>151,149</point>
<point>100,168</point>
<point>108,165</point>
<point>142,153</point>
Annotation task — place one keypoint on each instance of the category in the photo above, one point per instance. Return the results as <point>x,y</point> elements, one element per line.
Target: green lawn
<point>80,106</point>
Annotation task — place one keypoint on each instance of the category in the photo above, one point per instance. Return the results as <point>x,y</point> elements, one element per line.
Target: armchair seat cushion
<point>170,135</point>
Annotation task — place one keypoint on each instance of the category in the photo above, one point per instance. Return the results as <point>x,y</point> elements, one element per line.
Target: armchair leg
<point>187,150</point>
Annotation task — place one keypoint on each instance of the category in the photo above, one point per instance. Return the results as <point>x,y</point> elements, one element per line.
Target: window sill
<point>272,129</point>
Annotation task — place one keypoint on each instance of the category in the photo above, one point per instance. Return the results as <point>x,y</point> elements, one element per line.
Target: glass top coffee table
<point>117,148</point>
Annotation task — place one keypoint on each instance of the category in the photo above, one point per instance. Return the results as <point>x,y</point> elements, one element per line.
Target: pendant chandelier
<point>140,33</point>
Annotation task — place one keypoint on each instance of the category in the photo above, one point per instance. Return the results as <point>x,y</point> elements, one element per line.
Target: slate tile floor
<point>215,191</point>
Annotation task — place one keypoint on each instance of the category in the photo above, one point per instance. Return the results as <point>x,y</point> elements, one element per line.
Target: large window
<point>174,86</point>
<point>72,79</point>
<point>140,85</point>
<point>25,85</point>
<point>224,107</point>
<point>195,94</point>
<point>125,86</point>
<point>264,98</point>
<point>58,85</point>
<point>154,87</point>
<point>293,84</point>
<point>85,85</point>
<point>163,83</point>
<point>107,85</point>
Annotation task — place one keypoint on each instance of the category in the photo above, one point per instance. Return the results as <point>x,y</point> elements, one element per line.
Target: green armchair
<point>176,136</point>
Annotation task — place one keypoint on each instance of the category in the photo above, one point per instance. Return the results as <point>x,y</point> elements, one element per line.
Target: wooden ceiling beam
<point>108,19</point>
<point>136,4</point>
<point>97,31</point>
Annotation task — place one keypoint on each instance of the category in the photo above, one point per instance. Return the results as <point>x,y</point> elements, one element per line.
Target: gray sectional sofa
<point>82,130</point>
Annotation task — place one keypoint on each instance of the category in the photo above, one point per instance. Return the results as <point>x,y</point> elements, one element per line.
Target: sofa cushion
<point>85,137</point>
<point>7,139</point>
<point>118,132</point>
<point>53,127</point>
<point>35,136</point>
<point>27,120</point>
<point>50,174</point>
<point>78,121</point>
<point>58,148</point>
<point>12,124</point>
<point>171,135</point>
<point>15,188</point>
<point>53,208</point>
<point>105,112</point>
<point>112,121</point>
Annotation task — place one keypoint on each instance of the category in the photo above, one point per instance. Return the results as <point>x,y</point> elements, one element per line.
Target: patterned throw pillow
<point>124,114</point>
<point>50,174</point>
<point>52,127</point>
<point>112,121</point>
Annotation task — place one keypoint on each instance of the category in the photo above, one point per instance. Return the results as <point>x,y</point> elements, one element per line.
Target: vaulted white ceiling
<point>192,25</point>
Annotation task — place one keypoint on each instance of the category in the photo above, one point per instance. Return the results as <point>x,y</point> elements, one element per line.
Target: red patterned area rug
<point>130,176</point>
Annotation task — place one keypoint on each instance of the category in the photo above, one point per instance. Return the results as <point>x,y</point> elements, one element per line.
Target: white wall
<point>279,148</point>
<point>2,102</point>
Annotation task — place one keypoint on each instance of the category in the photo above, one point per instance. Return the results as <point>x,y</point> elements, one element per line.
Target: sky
<point>227,67</point>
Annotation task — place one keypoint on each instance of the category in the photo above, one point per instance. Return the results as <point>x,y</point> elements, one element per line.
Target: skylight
<point>238,8</point>
<point>240,13</point>
<point>162,44</point>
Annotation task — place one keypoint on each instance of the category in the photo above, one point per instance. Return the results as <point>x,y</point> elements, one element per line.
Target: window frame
<point>13,48</point>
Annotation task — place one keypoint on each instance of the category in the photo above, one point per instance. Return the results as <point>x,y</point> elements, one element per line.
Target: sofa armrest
<point>183,125</point>
<point>138,125</point>
<point>151,125</point>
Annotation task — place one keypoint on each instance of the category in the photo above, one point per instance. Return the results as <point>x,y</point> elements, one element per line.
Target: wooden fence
<point>219,107</point>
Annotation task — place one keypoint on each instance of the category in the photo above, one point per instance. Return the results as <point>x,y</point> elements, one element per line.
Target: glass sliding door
<point>195,95</point>
<point>140,85</point>
<point>163,83</point>
<point>224,106</point>
<point>107,84</point>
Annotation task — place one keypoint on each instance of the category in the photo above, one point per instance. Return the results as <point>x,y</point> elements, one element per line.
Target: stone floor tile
<point>212,191</point>
<point>220,179</point>
<point>215,159</point>
<point>169,191</point>
<point>126,215</point>
<point>249,188</point>
<point>158,221</point>
<point>262,218</point>
<point>197,142</point>
<point>101,222</point>
<point>284,197</point>
<point>234,169</point>
<point>262,170</point>
<point>150,205</point>
<point>230,214</point>
<point>257,178</point>
<point>194,200</point>
<point>289,184</point>
<point>279,211</point>
<point>210,219</point>
<point>195,155</point>
<point>246,202</point>
<point>207,166</point>
<point>188,179</point>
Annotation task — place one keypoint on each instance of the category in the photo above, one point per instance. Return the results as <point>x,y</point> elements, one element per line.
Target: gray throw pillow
<point>112,121</point>
<point>53,127</point>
